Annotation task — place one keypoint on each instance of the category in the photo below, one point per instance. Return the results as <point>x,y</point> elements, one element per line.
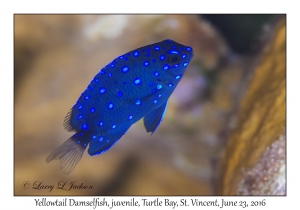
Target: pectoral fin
<point>154,118</point>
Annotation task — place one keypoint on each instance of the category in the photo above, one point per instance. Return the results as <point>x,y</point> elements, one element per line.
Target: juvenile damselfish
<point>135,85</point>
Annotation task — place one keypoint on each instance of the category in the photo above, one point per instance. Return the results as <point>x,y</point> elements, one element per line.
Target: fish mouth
<point>189,51</point>
<point>192,51</point>
<point>190,56</point>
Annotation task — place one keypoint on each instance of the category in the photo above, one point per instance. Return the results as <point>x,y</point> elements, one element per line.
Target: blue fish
<point>135,85</point>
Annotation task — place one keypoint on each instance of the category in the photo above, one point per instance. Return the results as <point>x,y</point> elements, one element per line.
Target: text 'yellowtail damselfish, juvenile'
<point>135,85</point>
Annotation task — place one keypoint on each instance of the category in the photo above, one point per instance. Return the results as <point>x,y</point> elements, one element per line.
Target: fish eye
<point>172,59</point>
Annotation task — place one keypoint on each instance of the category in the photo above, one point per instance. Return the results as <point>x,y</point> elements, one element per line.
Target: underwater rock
<point>254,159</point>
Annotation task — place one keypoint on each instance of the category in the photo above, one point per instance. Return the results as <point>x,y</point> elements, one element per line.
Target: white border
<point>8,8</point>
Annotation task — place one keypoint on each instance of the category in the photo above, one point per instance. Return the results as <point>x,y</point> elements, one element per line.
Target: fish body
<point>135,85</point>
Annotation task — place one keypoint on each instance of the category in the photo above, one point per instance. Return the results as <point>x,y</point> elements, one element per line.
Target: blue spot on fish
<point>102,90</point>
<point>178,77</point>
<point>125,69</point>
<point>166,67</point>
<point>85,127</point>
<point>138,102</point>
<point>120,94</point>
<point>104,111</point>
<point>173,52</point>
<point>137,81</point>
<point>110,105</point>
